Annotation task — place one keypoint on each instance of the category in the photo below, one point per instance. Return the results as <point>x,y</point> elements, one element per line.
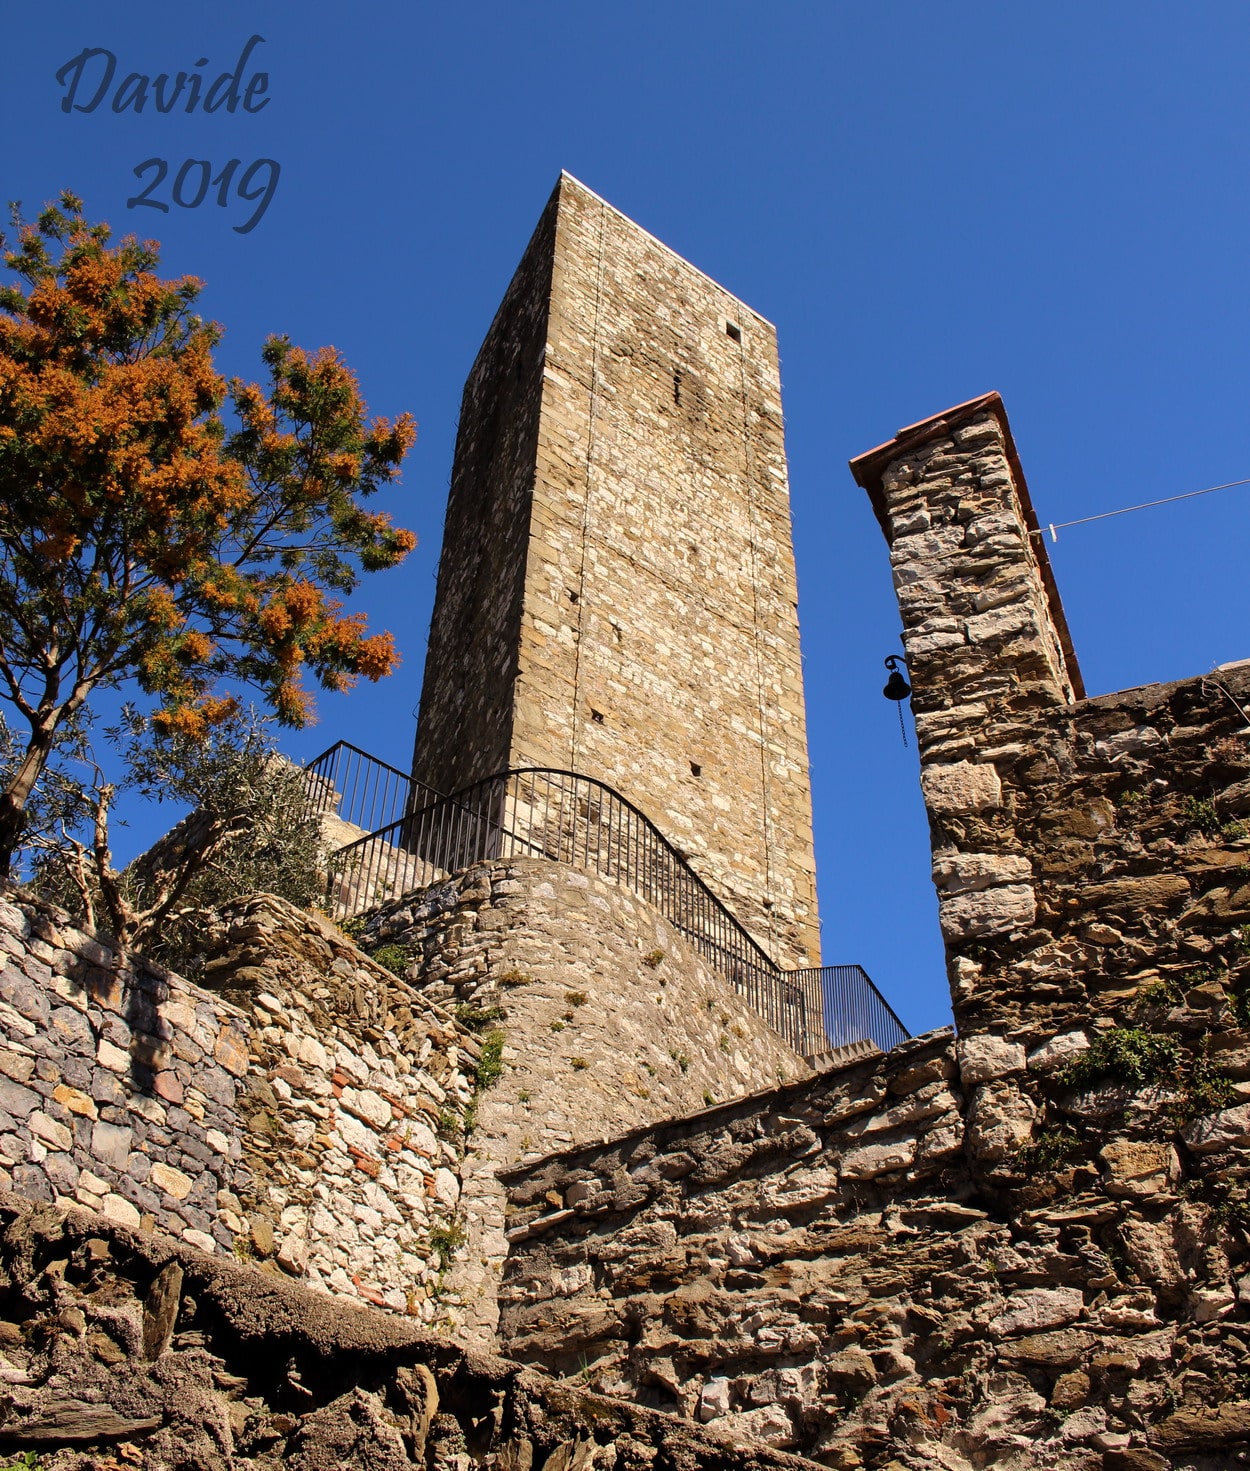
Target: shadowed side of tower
<point>464,729</point>
<point>617,593</point>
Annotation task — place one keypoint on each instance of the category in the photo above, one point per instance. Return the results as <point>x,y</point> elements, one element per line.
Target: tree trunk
<point>13,800</point>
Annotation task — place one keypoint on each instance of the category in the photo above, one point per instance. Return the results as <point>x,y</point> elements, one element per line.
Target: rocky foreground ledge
<point>126,1349</point>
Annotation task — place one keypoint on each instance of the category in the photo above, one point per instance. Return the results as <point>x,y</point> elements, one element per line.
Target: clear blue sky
<point>930,201</point>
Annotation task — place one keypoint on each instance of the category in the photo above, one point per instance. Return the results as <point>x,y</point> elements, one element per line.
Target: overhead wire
<point>1055,527</point>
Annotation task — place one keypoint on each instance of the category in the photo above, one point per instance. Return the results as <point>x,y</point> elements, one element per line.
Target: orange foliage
<point>136,516</point>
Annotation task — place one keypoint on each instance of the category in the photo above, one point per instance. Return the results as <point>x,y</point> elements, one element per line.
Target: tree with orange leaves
<point>140,536</point>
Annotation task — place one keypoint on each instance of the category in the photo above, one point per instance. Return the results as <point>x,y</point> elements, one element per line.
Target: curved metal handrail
<point>462,798</point>
<point>566,816</point>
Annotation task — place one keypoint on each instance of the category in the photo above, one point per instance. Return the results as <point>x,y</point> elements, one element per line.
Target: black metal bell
<point>896,687</point>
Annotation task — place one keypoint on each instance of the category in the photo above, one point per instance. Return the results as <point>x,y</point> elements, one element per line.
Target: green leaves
<point>1127,1054</point>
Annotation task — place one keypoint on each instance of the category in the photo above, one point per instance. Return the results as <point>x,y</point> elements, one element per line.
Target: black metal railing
<point>361,790</point>
<point>852,1007</point>
<point>573,819</point>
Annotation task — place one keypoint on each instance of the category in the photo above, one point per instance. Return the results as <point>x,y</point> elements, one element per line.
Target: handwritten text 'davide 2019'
<point>90,83</point>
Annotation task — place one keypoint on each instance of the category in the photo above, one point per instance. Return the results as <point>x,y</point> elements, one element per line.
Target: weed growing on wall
<point>478,1018</point>
<point>1205,1088</point>
<point>1163,993</point>
<point>396,958</point>
<point>1202,815</point>
<point>1125,1054</point>
<point>1051,1148</point>
<point>446,1241</point>
<point>490,1064</point>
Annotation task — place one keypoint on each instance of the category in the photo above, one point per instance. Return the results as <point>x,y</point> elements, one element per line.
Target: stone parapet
<point>837,1267</point>
<point>1088,854</point>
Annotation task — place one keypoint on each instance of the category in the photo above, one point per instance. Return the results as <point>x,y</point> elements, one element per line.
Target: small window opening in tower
<point>695,769</point>
<point>677,388</point>
<point>573,597</point>
<point>733,330</point>
<point>597,716</point>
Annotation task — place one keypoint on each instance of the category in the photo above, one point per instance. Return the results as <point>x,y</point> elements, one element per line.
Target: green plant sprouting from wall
<point>1125,1054</point>
<point>1227,1198</point>
<point>1132,1056</point>
<point>1204,1088</point>
<point>1201,814</point>
<point>446,1240</point>
<point>395,958</point>
<point>1163,993</point>
<point>478,1018</point>
<point>489,1067</point>
<point>1051,1148</point>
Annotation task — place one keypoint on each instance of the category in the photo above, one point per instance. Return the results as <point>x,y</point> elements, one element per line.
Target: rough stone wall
<point>294,1123</point>
<point>351,1112</point>
<point>836,1268</point>
<point>656,643</point>
<point>609,1021</point>
<point>96,1057</point>
<point>1067,1284</point>
<point>1089,854</point>
<point>128,1349</point>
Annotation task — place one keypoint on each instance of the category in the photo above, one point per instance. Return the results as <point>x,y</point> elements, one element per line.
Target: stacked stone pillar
<point>989,658</point>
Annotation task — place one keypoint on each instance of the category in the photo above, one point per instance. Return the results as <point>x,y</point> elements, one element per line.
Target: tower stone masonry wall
<point>464,729</point>
<point>617,592</point>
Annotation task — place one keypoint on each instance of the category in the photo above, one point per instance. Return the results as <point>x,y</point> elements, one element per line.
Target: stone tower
<point>616,594</point>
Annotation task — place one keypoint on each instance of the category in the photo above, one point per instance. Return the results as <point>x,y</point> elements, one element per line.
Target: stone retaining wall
<point>294,1122</point>
<point>353,1110</point>
<point>825,1268</point>
<point>318,1112</point>
<point>120,1082</point>
<point>131,1349</point>
<point>609,1020</point>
